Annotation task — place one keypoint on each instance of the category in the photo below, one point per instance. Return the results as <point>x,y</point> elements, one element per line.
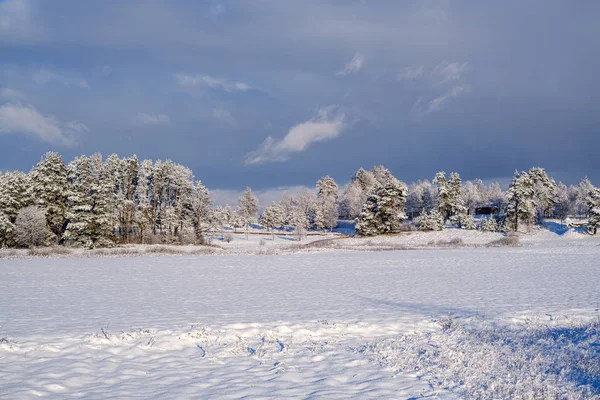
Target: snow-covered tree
<point>583,190</point>
<point>79,203</point>
<point>366,180</point>
<point>494,195</point>
<point>352,200</point>
<point>15,193</point>
<point>30,227</point>
<point>420,198</point>
<point>7,231</point>
<point>201,210</point>
<point>468,222</point>
<point>49,188</point>
<point>544,189</point>
<point>473,195</point>
<point>431,221</point>
<point>521,205</point>
<point>327,201</point>
<point>272,217</point>
<point>562,203</point>
<point>444,195</point>
<point>488,225</point>
<point>248,208</point>
<point>143,207</point>
<point>384,210</point>
<point>458,210</point>
<point>593,210</point>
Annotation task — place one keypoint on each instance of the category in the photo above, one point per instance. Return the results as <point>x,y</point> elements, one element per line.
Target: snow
<point>328,324</point>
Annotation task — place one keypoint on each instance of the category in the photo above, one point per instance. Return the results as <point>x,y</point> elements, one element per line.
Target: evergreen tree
<point>444,195</point>
<point>7,230</point>
<point>593,207</point>
<point>200,209</point>
<point>458,210</point>
<point>79,203</point>
<point>15,193</point>
<point>520,200</point>
<point>544,189</point>
<point>383,211</point>
<point>49,188</point>
<point>143,208</point>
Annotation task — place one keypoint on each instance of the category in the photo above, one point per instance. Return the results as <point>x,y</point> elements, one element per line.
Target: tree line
<point>95,202</point>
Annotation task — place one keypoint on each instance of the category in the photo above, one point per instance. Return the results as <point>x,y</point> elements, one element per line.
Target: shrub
<point>30,227</point>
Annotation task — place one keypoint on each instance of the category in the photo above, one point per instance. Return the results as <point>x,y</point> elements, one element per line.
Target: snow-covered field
<point>328,324</point>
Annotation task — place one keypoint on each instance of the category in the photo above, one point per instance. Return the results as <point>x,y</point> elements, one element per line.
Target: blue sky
<point>276,93</point>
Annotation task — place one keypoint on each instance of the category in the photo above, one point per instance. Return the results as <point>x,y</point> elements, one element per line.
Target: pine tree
<point>593,210</point>
<point>49,188</point>
<point>444,195</point>
<point>458,211</point>
<point>79,203</point>
<point>200,209</point>
<point>143,208</point>
<point>383,211</point>
<point>15,193</point>
<point>544,191</point>
<point>103,198</point>
<point>7,230</point>
<point>520,198</point>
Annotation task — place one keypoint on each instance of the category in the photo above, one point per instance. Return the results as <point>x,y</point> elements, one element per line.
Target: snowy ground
<point>331,324</point>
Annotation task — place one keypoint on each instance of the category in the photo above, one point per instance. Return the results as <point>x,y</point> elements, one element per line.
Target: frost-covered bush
<point>468,223</point>
<point>432,221</point>
<point>30,227</point>
<point>488,225</point>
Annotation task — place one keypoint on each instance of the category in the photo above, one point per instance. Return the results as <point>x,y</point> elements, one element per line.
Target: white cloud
<point>151,119</point>
<point>323,127</point>
<point>211,82</point>
<point>266,197</point>
<point>43,76</point>
<point>17,118</point>
<point>10,94</point>
<point>223,116</point>
<point>437,103</point>
<point>452,71</point>
<point>354,65</point>
<point>409,73</point>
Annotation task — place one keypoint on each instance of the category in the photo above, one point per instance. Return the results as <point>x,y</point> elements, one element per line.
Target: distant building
<point>490,210</point>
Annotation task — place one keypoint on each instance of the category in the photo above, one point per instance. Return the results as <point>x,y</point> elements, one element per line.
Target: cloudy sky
<point>272,93</point>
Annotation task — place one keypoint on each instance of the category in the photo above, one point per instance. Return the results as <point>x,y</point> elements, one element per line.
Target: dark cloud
<point>477,87</point>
